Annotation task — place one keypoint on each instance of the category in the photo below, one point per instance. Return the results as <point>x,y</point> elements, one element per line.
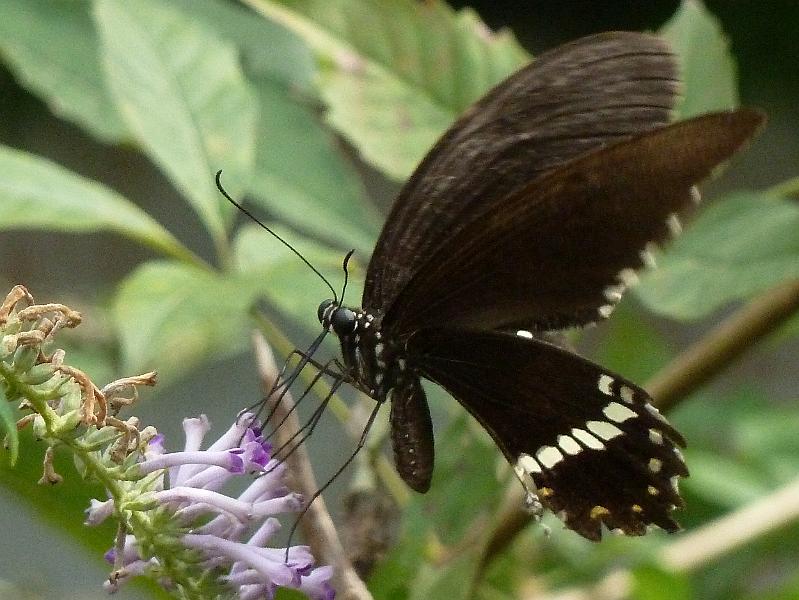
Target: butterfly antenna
<point>346,273</point>
<point>280,239</point>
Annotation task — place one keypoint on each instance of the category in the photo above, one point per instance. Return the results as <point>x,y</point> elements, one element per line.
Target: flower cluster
<point>211,533</point>
<point>175,523</point>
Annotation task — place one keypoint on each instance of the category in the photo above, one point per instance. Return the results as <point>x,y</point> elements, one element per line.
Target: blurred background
<point>84,270</point>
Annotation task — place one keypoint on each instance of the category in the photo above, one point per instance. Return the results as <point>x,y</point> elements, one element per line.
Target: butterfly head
<point>339,319</point>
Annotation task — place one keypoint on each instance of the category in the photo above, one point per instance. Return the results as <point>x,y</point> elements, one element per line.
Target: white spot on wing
<point>674,225</point>
<point>613,292</point>
<point>627,394</point>
<point>523,333</point>
<point>604,383</point>
<point>655,464</point>
<point>605,310</point>
<point>618,412</point>
<point>628,277</point>
<point>603,429</point>
<point>647,257</point>
<point>569,445</point>
<point>528,463</point>
<point>655,437</point>
<point>549,456</point>
<point>589,440</point>
<point>696,197</point>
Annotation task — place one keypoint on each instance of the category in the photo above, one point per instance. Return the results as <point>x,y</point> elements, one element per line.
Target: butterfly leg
<point>306,430</point>
<point>361,442</point>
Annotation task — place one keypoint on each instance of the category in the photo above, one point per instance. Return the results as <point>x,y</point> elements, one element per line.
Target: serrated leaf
<point>707,66</point>
<point>268,50</point>
<point>183,95</point>
<point>52,48</point>
<point>38,194</point>
<point>396,73</point>
<point>302,178</point>
<point>738,247</point>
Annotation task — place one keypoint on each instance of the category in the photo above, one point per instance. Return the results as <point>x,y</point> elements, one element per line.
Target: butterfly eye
<point>343,321</point>
<point>323,313</point>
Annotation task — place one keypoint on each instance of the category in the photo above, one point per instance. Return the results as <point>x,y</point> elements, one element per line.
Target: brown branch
<point>317,526</point>
<point>676,381</point>
<point>724,344</point>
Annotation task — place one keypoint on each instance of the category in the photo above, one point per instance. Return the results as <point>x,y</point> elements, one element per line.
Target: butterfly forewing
<point>595,449</point>
<point>569,101</point>
<point>555,252</point>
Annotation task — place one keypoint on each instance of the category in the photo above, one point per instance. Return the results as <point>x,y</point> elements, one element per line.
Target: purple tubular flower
<point>229,460</point>
<point>98,512</point>
<point>230,534</point>
<point>316,584</point>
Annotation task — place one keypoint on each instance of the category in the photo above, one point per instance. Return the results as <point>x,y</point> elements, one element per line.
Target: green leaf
<point>394,576</point>
<point>302,178</point>
<point>738,247</point>
<point>62,506</point>
<point>724,481</point>
<point>653,583</point>
<point>396,73</point>
<point>451,580</point>
<point>182,93</point>
<point>268,50</point>
<point>455,503</point>
<point>284,280</point>
<point>707,66</point>
<point>52,49</point>
<point>38,194</point>
<point>632,346</point>
<point>8,420</point>
<point>172,317</point>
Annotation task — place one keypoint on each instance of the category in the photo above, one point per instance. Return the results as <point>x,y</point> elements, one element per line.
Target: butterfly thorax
<point>372,363</point>
<point>377,365</point>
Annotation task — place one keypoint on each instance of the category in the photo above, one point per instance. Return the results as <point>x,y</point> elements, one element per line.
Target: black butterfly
<point>531,214</point>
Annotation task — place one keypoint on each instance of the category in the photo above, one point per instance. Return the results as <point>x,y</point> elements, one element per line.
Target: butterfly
<point>532,214</point>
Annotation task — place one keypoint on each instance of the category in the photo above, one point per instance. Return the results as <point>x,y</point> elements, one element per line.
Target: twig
<point>676,381</point>
<point>698,548</point>
<point>724,344</point>
<point>320,533</point>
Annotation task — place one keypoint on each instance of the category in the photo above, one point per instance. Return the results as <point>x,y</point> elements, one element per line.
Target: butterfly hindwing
<point>568,101</point>
<point>590,441</point>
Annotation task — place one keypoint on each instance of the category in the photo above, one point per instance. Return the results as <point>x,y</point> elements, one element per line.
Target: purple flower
<point>228,534</point>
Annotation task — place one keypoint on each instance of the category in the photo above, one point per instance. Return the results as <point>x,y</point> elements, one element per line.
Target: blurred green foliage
<point>269,96</point>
